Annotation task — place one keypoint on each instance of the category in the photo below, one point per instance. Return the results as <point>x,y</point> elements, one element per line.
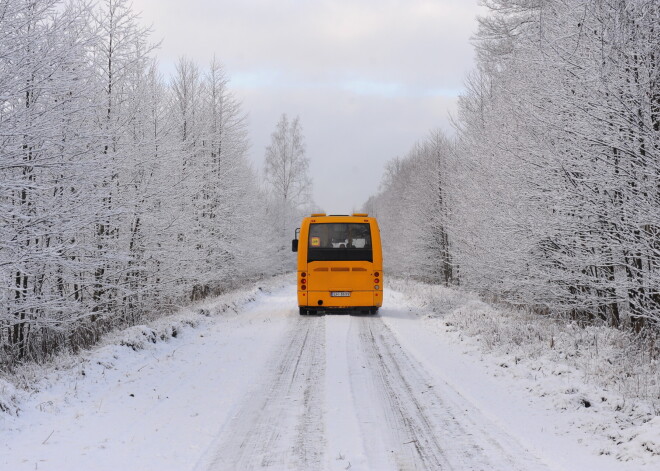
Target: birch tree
<point>287,166</point>
<point>287,175</point>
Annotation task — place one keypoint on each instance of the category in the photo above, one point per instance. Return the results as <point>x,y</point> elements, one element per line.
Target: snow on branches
<point>120,194</point>
<point>550,192</point>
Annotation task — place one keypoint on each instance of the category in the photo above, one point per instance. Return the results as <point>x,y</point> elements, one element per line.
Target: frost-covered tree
<point>412,208</point>
<point>287,166</point>
<point>559,131</point>
<point>289,184</point>
<point>121,60</point>
<point>551,189</point>
<point>121,195</point>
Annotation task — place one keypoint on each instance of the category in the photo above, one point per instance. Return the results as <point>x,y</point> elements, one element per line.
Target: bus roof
<point>317,219</point>
<point>318,215</point>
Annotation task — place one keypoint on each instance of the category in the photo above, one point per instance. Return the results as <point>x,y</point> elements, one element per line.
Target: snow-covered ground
<point>606,381</point>
<point>244,382</point>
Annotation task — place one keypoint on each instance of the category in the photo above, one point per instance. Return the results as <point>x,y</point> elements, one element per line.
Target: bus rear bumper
<point>324,300</point>
<point>304,310</point>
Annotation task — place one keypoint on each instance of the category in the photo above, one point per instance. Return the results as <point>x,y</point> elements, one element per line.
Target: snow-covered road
<point>340,392</point>
<point>267,388</point>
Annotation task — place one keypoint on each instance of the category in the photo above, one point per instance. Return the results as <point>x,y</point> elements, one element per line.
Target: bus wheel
<point>303,311</point>
<point>374,311</point>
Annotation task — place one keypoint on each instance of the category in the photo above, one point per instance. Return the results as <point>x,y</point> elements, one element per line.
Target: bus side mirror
<point>294,245</point>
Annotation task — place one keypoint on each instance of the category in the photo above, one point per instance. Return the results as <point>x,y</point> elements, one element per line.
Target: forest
<point>548,196</point>
<point>125,194</point>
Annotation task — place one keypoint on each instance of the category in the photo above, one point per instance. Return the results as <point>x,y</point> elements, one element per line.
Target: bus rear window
<point>339,241</point>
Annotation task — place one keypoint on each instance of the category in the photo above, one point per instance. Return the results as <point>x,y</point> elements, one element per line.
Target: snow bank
<point>606,378</point>
<point>9,398</point>
<point>641,440</point>
<point>115,346</point>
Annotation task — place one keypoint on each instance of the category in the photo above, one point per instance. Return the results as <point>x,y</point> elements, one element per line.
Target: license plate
<point>340,293</point>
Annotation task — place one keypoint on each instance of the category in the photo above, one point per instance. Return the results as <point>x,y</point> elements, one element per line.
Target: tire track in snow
<point>427,426</point>
<point>279,425</point>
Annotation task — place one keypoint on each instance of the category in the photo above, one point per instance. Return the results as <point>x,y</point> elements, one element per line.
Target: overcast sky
<point>368,78</point>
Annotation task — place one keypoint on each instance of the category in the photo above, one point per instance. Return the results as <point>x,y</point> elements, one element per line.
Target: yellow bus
<point>340,264</point>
